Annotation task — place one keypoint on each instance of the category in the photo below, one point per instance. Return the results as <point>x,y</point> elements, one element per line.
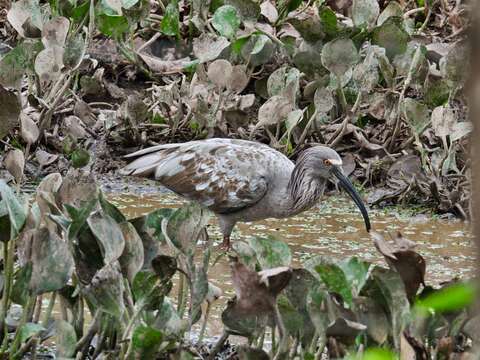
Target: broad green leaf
<point>247,9</point>
<point>106,290</point>
<point>393,8</point>
<point>112,25</point>
<point>356,272</point>
<point>328,19</point>
<point>226,21</point>
<point>416,114</point>
<point>80,158</point>
<point>292,319</point>
<point>25,14</point>
<point>208,47</point>
<point>20,289</point>
<point>258,50</point>
<point>65,339</point>
<point>13,66</point>
<point>108,234</point>
<point>52,262</point>
<point>392,36</point>
<point>339,56</point>
<point>17,211</point>
<point>28,330</point>
<point>365,12</point>
<point>132,258</point>
<point>168,320</point>
<point>323,100</point>
<point>146,341</point>
<point>110,209</point>
<point>146,289</point>
<point>199,290</point>
<point>170,23</point>
<point>449,298</point>
<point>271,252</point>
<point>334,278</point>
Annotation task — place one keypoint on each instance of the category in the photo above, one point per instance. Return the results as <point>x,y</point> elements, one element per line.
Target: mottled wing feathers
<point>222,175</point>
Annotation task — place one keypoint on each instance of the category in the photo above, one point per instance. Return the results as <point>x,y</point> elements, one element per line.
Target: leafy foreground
<point>380,81</point>
<point>70,245</point>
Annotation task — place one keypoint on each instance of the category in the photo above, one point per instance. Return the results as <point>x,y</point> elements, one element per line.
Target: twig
<point>218,346</point>
<point>413,12</point>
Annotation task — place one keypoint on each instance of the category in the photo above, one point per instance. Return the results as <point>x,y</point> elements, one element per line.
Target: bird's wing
<point>221,174</point>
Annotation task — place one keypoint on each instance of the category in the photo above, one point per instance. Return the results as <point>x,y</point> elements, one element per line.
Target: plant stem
<point>204,324</point>
<point>282,343</point>
<point>48,313</point>
<point>23,321</point>
<point>218,346</point>
<point>8,254</point>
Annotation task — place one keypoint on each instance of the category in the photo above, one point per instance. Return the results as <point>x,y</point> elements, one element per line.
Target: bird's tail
<point>148,160</point>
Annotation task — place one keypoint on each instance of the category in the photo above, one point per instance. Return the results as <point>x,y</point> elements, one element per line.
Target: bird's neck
<point>304,189</point>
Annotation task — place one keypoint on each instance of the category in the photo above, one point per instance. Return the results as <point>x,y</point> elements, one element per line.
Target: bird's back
<point>224,175</point>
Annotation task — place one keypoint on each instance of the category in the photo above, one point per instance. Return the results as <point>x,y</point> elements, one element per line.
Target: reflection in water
<point>335,229</point>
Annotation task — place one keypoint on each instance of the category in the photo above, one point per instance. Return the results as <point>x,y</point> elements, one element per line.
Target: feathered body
<point>238,180</point>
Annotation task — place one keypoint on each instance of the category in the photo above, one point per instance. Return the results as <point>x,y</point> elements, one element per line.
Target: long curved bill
<point>348,187</point>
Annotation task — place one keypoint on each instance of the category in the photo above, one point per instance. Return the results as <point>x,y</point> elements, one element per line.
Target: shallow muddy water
<point>333,228</point>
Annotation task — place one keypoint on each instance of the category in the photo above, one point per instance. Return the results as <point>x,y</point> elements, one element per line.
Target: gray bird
<point>241,180</point>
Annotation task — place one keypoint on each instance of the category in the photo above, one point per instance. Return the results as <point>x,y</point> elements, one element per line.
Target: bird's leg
<point>226,242</point>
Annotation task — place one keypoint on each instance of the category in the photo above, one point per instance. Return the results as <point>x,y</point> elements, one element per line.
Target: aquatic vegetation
<point>134,288</point>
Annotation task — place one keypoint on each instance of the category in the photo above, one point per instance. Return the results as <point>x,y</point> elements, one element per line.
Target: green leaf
<point>170,23</point>
<point>16,62</point>
<point>111,210</point>
<point>365,12</point>
<point>65,339</point>
<point>28,330</point>
<point>20,289</point>
<point>378,354</point>
<point>416,114</point>
<point>168,320</point>
<point>80,158</point>
<point>17,212</point>
<point>146,341</point>
<point>393,9</point>
<point>146,289</point>
<point>108,234</point>
<point>356,272</point>
<point>334,278</point>
<point>132,258</point>
<point>328,19</point>
<point>112,25</point>
<point>226,21</point>
<point>449,298</point>
<point>339,56</point>
<point>392,36</point>
<point>271,252</point>
<point>247,9</point>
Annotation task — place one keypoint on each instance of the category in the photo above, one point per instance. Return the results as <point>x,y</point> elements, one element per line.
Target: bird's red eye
<point>327,162</point>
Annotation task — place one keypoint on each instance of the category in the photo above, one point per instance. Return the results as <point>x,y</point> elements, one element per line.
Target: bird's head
<point>325,163</point>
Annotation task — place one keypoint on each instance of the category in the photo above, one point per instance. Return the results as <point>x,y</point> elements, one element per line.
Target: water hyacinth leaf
<point>14,162</point>
<point>131,260</point>
<point>245,253</point>
<point>80,158</point>
<point>328,19</point>
<point>219,73</point>
<point>460,130</point>
<point>258,49</point>
<point>274,111</point>
<point>44,158</point>
<point>270,252</point>
<point>323,100</point>
<point>146,289</point>
<point>449,298</point>
<point>65,339</point>
<point>391,36</point>
<point>339,56</point>
<point>373,316</point>
<point>75,49</point>
<point>30,329</point>
<point>14,64</point>
<point>443,119</point>
<point>356,273</point>
<point>185,226</point>
<point>292,319</point>
<point>146,341</point>
<point>164,266</point>
<point>387,288</point>
<point>208,47</point>
<point>52,263</point>
<point>25,15</point>
<point>269,10</point>
<point>416,114</point>
<point>199,290</point>
<point>168,320</point>
<point>17,211</point>
<point>365,12</point>
<point>293,118</point>
<point>49,63</point>
<point>170,24</point>
<point>226,21</point>
<point>334,278</point>
<point>20,289</point>
<point>247,9</point>
<point>9,111</point>
<point>238,79</point>
<point>54,32</point>
<point>29,130</point>
<point>106,289</point>
<point>112,25</point>
<point>108,234</point>
<point>393,8</point>
<point>110,209</point>
<point>452,66</point>
<point>276,81</point>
